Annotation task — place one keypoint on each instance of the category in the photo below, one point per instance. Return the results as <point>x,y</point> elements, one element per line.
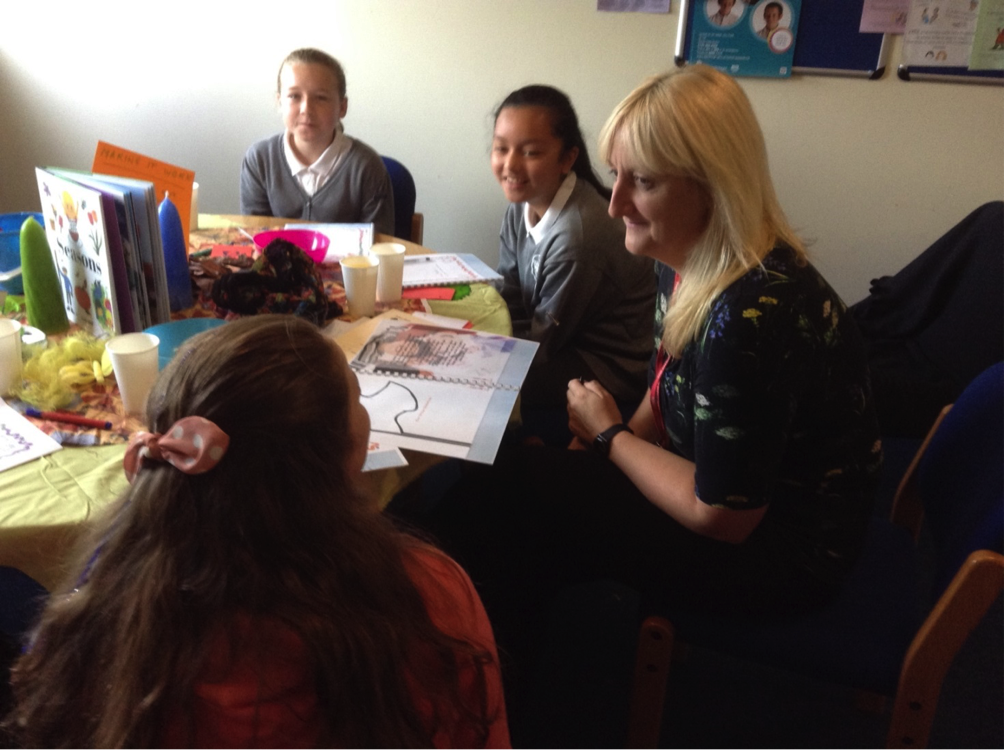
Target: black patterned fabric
<point>773,405</point>
<point>282,280</point>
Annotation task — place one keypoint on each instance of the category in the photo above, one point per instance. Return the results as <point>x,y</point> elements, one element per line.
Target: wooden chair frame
<point>964,603</point>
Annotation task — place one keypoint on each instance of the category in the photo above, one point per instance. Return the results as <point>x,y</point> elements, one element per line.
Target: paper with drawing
<point>440,390</point>
<point>20,440</point>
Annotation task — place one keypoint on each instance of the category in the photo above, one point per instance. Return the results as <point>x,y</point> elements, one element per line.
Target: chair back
<point>403,185</point>
<point>21,599</point>
<point>961,477</point>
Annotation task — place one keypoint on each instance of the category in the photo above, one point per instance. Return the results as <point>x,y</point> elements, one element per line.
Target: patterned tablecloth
<point>45,504</point>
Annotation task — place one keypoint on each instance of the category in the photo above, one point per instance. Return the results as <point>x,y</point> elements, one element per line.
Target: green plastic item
<point>461,291</point>
<point>42,295</point>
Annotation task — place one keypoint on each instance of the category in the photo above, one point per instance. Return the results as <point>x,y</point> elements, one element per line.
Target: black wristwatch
<point>602,442</point>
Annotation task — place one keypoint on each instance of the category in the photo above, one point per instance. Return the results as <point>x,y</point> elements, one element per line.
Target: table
<point>45,504</point>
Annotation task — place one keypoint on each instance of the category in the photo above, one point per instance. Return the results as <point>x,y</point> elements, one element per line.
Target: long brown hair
<point>275,530</point>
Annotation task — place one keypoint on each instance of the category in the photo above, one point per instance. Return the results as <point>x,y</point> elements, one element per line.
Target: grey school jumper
<point>581,288</point>
<point>359,191</point>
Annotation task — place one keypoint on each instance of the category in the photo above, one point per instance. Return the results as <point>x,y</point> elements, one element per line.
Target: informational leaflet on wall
<point>884,16</point>
<point>988,39</point>
<point>745,37</point>
<point>634,6</point>
<point>940,34</point>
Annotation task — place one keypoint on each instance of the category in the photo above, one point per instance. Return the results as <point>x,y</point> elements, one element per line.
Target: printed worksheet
<point>20,440</point>
<point>440,390</point>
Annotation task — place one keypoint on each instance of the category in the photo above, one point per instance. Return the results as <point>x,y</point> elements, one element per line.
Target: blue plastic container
<point>10,247</point>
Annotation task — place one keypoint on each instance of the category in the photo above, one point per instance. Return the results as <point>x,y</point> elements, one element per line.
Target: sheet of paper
<point>415,413</point>
<point>442,320</point>
<point>380,456</point>
<point>430,292</point>
<point>438,390</point>
<point>20,440</point>
<point>351,340</point>
<point>346,239</point>
<point>884,16</point>
<point>988,39</point>
<point>445,268</point>
<point>166,178</point>
<point>634,6</point>
<point>423,351</point>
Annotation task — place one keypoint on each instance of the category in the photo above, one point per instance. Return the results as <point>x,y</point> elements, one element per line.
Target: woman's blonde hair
<point>697,123</point>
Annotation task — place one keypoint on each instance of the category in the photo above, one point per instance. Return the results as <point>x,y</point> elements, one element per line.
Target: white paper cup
<point>10,355</point>
<point>134,360</point>
<point>391,257</point>
<point>359,275</point>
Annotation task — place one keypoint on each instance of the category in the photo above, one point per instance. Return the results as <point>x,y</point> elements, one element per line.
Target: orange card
<point>232,251</point>
<point>429,292</point>
<point>166,178</point>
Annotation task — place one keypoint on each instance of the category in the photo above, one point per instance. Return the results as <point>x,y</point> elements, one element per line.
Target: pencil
<point>62,416</point>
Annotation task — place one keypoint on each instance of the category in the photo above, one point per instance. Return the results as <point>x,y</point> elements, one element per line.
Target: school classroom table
<point>45,504</point>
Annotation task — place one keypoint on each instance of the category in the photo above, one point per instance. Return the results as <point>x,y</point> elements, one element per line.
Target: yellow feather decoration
<point>53,375</point>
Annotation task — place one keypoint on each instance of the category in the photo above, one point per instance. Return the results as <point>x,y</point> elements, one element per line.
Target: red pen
<point>64,416</point>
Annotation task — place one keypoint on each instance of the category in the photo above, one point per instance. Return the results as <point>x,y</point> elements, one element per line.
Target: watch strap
<point>603,441</point>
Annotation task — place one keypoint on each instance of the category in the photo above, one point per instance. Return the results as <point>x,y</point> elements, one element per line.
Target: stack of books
<point>105,240</point>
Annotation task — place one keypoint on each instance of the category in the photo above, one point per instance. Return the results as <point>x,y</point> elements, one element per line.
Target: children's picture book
<point>440,390</point>
<point>180,182</point>
<point>445,268</point>
<point>123,213</point>
<point>92,278</point>
<point>135,210</point>
<point>151,251</point>
<point>346,239</point>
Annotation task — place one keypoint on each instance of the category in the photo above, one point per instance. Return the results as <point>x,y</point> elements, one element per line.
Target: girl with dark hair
<point>743,484</point>
<point>245,591</point>
<point>568,281</point>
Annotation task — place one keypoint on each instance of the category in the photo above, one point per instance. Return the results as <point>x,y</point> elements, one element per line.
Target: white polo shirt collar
<point>539,231</point>
<point>313,176</point>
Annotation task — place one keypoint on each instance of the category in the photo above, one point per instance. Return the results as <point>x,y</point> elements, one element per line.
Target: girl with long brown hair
<point>245,591</point>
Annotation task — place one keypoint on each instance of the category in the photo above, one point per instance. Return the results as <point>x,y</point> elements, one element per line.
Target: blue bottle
<point>179,282</point>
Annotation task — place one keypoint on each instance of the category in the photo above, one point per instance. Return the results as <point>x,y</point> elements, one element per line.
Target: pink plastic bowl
<point>314,244</point>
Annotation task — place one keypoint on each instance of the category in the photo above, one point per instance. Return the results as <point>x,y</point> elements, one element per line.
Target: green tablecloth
<point>45,504</point>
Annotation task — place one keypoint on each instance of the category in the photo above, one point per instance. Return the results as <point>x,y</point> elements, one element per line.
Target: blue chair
<point>408,225</point>
<point>21,600</point>
<point>874,637</point>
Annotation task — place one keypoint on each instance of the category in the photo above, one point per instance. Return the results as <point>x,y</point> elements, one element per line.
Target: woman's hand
<point>590,411</point>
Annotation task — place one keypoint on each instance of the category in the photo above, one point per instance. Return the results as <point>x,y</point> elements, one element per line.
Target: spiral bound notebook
<point>441,390</point>
<point>445,268</point>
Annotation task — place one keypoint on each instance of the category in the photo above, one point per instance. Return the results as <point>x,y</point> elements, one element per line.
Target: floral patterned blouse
<point>772,404</point>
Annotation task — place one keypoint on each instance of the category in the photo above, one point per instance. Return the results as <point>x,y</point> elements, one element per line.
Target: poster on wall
<point>634,6</point>
<point>745,37</point>
<point>940,33</point>
<point>884,16</point>
<point>988,39</point>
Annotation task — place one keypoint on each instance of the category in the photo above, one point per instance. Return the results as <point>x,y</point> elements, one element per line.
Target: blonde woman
<point>743,483</point>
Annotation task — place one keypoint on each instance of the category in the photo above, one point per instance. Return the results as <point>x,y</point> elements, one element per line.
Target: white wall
<point>872,171</point>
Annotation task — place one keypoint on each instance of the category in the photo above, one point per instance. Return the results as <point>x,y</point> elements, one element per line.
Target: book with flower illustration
<point>87,249</point>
